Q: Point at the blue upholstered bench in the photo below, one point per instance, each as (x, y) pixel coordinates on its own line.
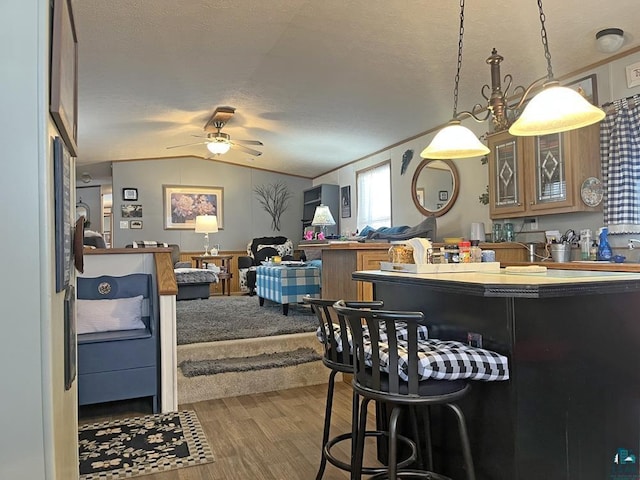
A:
(287, 284)
(118, 353)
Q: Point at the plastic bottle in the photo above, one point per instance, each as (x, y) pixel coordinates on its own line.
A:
(604, 250)
(476, 252)
(585, 244)
(465, 251)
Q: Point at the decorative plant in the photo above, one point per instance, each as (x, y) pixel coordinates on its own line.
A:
(275, 200)
(484, 197)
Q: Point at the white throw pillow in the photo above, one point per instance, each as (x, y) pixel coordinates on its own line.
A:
(108, 315)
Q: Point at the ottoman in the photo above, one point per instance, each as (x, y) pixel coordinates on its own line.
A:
(287, 284)
(194, 283)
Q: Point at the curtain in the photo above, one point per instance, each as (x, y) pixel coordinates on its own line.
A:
(374, 197)
(620, 155)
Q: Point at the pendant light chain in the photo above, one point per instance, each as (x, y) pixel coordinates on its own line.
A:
(457, 80)
(545, 41)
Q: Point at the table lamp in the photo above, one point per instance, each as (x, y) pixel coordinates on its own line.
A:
(322, 217)
(206, 224)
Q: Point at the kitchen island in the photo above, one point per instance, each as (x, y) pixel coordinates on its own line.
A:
(572, 404)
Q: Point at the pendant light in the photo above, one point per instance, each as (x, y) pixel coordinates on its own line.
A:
(555, 109)
(454, 140)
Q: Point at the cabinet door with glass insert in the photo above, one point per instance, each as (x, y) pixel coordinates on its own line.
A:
(551, 173)
(506, 182)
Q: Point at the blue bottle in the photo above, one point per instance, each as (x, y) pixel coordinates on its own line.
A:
(604, 250)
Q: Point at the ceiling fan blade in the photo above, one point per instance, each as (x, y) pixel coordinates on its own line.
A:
(187, 145)
(249, 142)
(248, 150)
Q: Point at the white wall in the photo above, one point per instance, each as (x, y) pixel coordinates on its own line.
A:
(474, 177)
(38, 434)
(244, 218)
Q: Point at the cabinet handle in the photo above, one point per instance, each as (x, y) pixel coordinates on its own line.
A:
(531, 203)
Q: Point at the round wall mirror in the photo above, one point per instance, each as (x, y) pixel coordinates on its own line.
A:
(435, 186)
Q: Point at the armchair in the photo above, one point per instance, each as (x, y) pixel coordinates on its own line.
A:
(260, 249)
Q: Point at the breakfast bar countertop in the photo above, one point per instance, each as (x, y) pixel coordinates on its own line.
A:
(552, 283)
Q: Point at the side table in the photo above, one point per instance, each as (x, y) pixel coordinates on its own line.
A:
(225, 274)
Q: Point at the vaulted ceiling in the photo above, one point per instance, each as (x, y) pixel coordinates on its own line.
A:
(320, 83)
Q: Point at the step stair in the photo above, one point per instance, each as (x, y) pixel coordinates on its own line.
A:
(231, 384)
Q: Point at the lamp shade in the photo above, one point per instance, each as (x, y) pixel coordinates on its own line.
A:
(322, 217)
(555, 109)
(219, 147)
(454, 141)
(206, 224)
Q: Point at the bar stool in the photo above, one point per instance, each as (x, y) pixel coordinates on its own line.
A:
(336, 339)
(386, 371)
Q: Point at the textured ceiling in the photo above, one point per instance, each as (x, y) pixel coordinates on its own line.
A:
(320, 83)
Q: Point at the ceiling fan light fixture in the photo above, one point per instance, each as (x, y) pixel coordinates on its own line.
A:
(219, 146)
(454, 141)
(555, 109)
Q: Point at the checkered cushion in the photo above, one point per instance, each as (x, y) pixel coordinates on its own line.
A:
(439, 359)
(284, 284)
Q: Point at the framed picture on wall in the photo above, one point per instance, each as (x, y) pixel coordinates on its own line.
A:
(63, 103)
(130, 194)
(345, 196)
(69, 337)
(62, 209)
(443, 195)
(182, 204)
(129, 210)
(135, 224)
(587, 87)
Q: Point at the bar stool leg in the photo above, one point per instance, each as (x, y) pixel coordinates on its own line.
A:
(427, 437)
(464, 440)
(393, 443)
(356, 467)
(327, 422)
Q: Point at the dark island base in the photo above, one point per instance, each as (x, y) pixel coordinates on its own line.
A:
(573, 399)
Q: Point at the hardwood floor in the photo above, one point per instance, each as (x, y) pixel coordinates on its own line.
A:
(266, 436)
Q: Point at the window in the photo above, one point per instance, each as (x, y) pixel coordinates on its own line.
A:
(374, 196)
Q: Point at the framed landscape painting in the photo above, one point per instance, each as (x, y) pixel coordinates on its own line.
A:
(182, 204)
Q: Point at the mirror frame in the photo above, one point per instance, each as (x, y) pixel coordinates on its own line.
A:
(452, 198)
(80, 206)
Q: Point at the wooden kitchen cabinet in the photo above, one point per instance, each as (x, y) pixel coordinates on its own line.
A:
(531, 176)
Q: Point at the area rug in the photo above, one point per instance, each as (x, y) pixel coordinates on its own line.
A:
(194, 368)
(142, 445)
(239, 316)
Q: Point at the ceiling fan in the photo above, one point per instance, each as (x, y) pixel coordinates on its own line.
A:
(219, 143)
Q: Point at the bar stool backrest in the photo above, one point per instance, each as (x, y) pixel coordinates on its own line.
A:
(373, 351)
(337, 350)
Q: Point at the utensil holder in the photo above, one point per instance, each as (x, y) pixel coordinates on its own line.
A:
(560, 252)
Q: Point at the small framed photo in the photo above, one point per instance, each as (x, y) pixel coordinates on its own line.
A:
(135, 224)
(439, 206)
(443, 195)
(131, 211)
(587, 87)
(130, 194)
(633, 74)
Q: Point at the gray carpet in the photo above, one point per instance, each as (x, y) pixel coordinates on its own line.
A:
(229, 318)
(193, 368)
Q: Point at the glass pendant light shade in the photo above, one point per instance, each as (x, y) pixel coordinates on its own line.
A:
(555, 109)
(454, 141)
(218, 147)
